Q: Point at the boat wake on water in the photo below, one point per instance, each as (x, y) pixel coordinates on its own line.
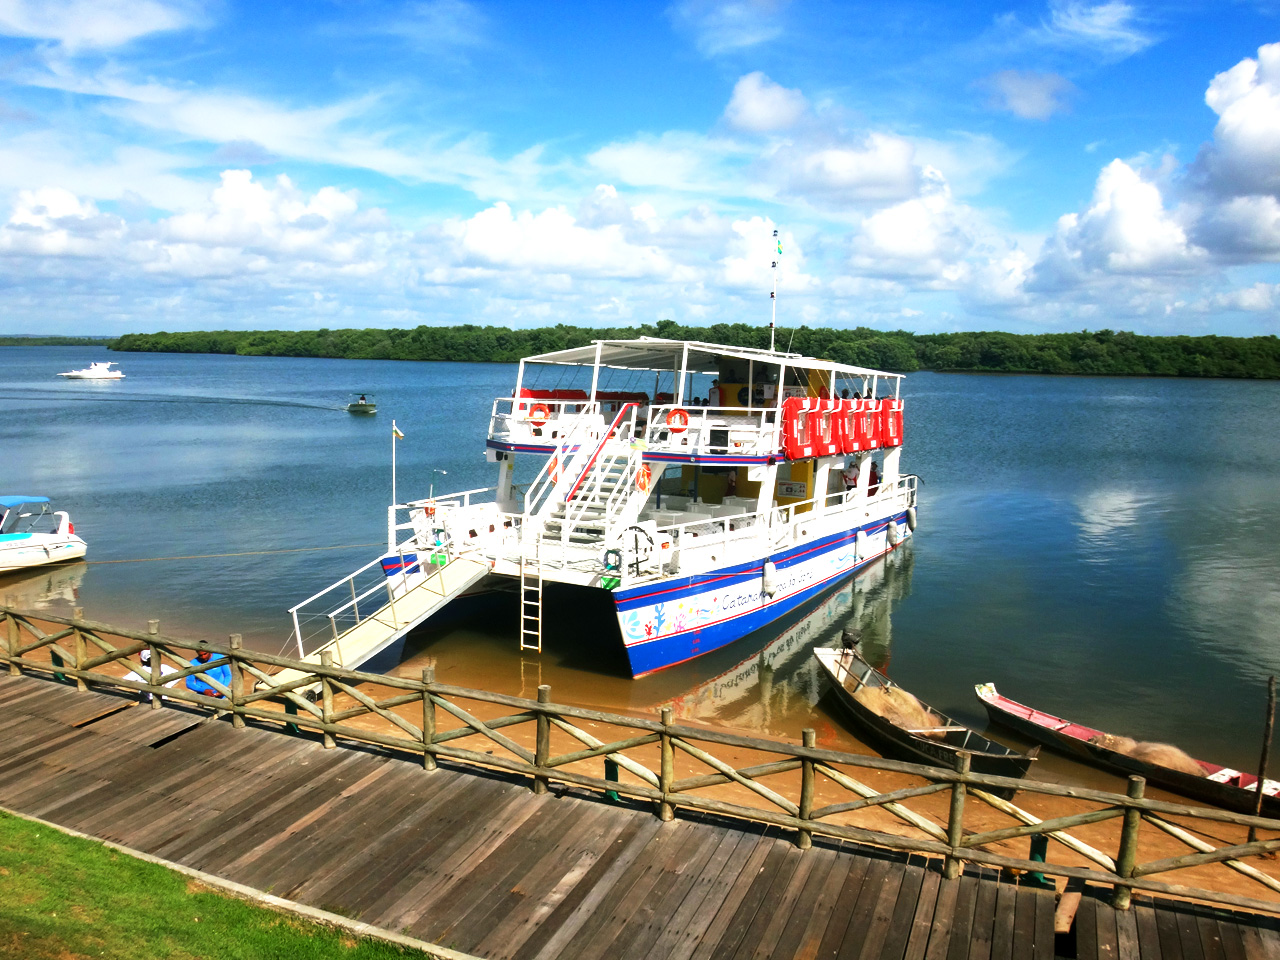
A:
(167, 398)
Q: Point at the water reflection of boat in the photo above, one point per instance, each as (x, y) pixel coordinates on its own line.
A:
(43, 589)
(782, 674)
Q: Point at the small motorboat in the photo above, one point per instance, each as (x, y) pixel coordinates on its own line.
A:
(97, 370)
(908, 729)
(1218, 785)
(32, 534)
(362, 404)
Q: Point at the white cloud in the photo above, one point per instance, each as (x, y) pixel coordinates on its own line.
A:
(1126, 230)
(1259, 298)
(1111, 28)
(679, 161)
(762, 106)
(923, 237)
(881, 169)
(752, 251)
(552, 241)
(720, 26)
(95, 24)
(1028, 93)
(1244, 157)
(438, 26)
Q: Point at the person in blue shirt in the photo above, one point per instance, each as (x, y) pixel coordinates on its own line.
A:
(221, 674)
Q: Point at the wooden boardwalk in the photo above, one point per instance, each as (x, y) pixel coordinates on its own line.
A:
(480, 864)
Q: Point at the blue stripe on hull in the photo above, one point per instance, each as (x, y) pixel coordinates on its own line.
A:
(647, 656)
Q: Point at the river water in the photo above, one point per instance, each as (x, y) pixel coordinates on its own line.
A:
(1105, 549)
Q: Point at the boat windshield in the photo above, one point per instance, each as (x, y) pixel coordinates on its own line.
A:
(28, 518)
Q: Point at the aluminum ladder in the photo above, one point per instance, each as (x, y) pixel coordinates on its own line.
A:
(530, 593)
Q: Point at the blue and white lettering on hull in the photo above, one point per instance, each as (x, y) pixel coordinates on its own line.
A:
(666, 623)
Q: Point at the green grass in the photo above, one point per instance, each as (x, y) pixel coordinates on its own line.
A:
(63, 897)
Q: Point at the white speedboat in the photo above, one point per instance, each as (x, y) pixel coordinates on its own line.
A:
(32, 534)
(97, 370)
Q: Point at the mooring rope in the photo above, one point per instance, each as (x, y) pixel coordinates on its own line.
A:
(247, 553)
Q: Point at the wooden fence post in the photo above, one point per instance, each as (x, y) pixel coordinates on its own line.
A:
(326, 697)
(955, 821)
(542, 751)
(428, 718)
(1128, 854)
(81, 657)
(13, 645)
(667, 776)
(237, 682)
(156, 675)
(804, 839)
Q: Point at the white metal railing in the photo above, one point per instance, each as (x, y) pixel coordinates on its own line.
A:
(518, 420)
(774, 528)
(725, 431)
(335, 618)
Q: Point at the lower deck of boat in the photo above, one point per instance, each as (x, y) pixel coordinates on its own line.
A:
(481, 864)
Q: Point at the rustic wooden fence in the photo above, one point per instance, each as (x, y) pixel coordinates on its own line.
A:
(428, 718)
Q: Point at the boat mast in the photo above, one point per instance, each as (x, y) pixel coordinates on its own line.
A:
(773, 297)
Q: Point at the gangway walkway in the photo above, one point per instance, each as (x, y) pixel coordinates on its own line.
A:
(412, 596)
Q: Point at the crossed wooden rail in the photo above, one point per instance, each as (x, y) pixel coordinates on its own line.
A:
(79, 650)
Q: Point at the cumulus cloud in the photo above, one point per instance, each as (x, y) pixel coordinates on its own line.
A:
(1259, 298)
(761, 106)
(1244, 157)
(1125, 230)
(1028, 93)
(95, 24)
(881, 169)
(748, 266)
(552, 241)
(720, 26)
(924, 237)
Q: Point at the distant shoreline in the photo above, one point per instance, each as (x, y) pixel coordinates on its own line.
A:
(1086, 353)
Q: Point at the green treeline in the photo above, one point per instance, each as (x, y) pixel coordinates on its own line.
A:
(1099, 352)
(54, 341)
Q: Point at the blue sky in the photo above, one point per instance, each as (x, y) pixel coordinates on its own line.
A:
(932, 166)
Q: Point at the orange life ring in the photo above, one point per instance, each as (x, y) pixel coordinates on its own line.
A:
(429, 510)
(644, 477)
(554, 470)
(539, 410)
(678, 420)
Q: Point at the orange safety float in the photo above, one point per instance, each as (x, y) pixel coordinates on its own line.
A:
(539, 414)
(797, 429)
(826, 429)
(678, 420)
(644, 477)
(553, 470)
(848, 421)
(890, 422)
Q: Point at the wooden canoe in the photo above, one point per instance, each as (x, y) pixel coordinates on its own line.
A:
(935, 746)
(1220, 786)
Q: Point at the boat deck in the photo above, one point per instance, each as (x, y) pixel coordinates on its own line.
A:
(480, 863)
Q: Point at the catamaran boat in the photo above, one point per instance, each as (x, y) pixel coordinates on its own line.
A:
(97, 370)
(707, 490)
(32, 534)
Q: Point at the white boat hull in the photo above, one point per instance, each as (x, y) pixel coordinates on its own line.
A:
(20, 551)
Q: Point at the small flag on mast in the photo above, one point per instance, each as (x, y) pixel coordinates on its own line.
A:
(395, 432)
(779, 247)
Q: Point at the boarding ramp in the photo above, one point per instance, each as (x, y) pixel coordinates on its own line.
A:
(366, 611)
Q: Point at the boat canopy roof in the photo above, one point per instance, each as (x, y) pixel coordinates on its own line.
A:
(18, 501)
(656, 353)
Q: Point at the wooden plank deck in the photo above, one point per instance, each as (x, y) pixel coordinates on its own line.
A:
(479, 863)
